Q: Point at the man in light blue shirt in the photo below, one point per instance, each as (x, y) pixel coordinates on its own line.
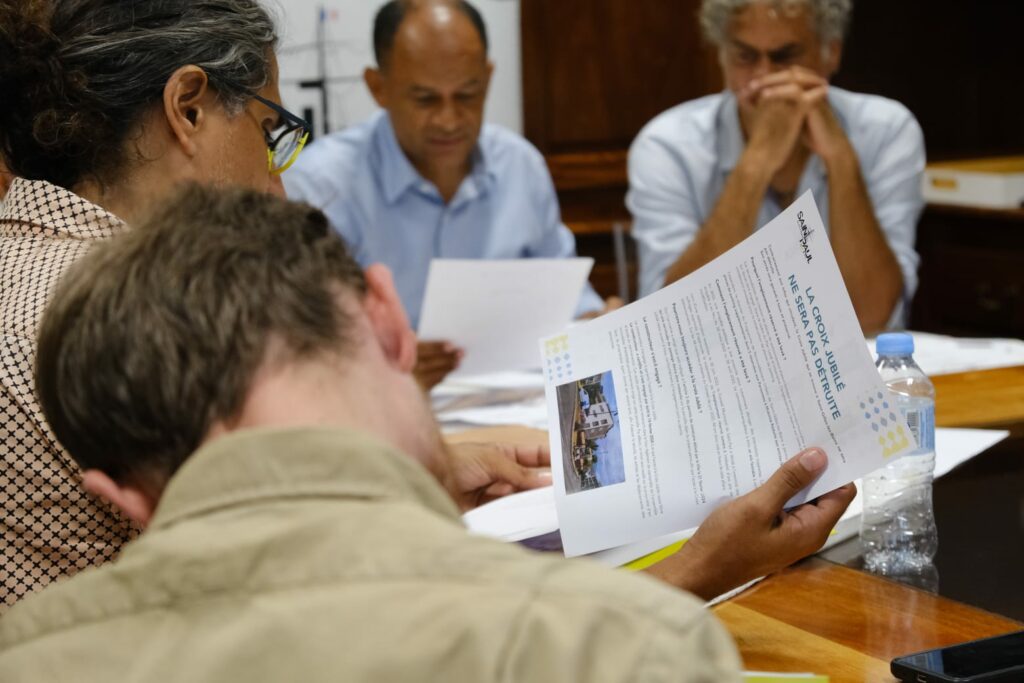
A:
(706, 173)
(424, 178)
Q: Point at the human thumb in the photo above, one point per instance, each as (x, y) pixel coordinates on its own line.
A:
(794, 476)
(519, 477)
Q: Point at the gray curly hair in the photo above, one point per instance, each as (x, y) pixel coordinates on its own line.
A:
(831, 17)
(83, 72)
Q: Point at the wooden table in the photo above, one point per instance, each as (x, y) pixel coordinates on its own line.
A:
(819, 617)
(824, 618)
(985, 398)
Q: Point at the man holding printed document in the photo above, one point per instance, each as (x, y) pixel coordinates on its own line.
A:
(707, 173)
(425, 179)
(695, 394)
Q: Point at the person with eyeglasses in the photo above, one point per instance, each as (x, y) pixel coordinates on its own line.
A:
(286, 140)
(109, 106)
(707, 173)
(95, 145)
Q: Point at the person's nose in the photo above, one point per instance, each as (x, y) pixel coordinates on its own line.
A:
(448, 116)
(763, 67)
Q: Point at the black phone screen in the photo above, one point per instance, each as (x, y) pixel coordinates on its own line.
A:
(987, 656)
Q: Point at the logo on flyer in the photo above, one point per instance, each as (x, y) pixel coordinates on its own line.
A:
(805, 235)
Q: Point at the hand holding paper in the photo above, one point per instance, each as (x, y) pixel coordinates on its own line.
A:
(754, 536)
(696, 394)
(496, 310)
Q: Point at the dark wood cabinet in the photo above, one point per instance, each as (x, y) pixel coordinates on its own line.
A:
(972, 272)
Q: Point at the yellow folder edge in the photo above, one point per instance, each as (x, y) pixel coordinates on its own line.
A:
(642, 563)
(783, 678)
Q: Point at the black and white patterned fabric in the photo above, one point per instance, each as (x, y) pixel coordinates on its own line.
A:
(51, 528)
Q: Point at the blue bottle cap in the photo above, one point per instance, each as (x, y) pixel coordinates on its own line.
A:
(894, 344)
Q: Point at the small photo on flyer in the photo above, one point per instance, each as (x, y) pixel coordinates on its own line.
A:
(591, 438)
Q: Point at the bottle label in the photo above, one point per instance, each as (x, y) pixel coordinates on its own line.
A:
(922, 426)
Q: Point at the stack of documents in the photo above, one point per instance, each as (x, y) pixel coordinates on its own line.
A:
(501, 398)
(941, 355)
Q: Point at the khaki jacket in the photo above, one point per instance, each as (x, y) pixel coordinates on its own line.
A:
(323, 555)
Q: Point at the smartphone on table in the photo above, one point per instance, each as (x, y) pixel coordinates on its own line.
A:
(1000, 658)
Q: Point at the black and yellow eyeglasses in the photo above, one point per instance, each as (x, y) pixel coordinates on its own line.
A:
(286, 141)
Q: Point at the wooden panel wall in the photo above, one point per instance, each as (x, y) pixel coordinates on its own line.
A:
(594, 72)
(957, 65)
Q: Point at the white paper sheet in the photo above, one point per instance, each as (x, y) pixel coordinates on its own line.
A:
(495, 310)
(664, 409)
(941, 355)
(528, 414)
(515, 517)
(523, 379)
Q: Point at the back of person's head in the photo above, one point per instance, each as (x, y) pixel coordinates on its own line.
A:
(391, 15)
(157, 333)
(79, 75)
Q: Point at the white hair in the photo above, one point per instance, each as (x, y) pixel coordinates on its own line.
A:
(830, 17)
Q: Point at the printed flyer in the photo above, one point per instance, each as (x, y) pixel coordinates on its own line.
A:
(662, 410)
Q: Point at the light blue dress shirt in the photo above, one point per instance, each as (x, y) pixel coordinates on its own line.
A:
(388, 213)
(680, 161)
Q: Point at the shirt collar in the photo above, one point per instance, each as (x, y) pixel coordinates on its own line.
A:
(398, 175)
(258, 465)
(56, 211)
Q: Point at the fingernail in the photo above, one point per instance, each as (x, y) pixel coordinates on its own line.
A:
(448, 347)
(813, 459)
(544, 478)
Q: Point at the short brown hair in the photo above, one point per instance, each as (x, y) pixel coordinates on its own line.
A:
(157, 333)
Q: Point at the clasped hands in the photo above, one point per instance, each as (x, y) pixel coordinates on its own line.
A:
(786, 107)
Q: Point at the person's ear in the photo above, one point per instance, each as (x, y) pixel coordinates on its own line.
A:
(388, 319)
(375, 83)
(136, 504)
(490, 74)
(184, 105)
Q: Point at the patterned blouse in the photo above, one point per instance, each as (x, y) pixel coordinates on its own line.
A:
(50, 526)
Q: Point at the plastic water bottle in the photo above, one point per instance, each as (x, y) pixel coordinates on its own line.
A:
(898, 534)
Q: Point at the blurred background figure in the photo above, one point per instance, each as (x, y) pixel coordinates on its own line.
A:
(425, 178)
(705, 174)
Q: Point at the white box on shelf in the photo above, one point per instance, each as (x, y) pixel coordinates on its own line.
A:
(995, 183)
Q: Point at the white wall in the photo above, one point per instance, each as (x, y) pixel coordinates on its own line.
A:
(349, 28)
